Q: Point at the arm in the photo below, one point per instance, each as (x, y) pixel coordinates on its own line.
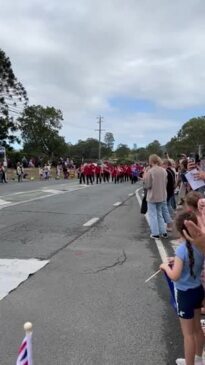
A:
(174, 273)
(148, 180)
(199, 175)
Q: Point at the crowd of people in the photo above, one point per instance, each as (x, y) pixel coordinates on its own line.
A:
(90, 173)
(162, 180)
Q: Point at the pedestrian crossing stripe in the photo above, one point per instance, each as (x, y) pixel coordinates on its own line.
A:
(4, 202)
(15, 271)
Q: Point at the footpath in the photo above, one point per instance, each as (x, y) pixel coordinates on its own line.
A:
(90, 304)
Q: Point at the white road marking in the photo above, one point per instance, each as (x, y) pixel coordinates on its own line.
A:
(4, 203)
(49, 194)
(161, 249)
(117, 204)
(20, 192)
(15, 271)
(130, 194)
(52, 191)
(159, 243)
(91, 222)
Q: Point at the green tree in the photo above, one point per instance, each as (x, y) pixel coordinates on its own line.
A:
(88, 150)
(174, 148)
(109, 140)
(192, 133)
(154, 148)
(188, 139)
(13, 98)
(40, 130)
(122, 151)
(142, 154)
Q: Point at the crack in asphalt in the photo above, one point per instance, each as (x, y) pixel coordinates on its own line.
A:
(120, 261)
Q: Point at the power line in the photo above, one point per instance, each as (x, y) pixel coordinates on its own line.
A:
(100, 131)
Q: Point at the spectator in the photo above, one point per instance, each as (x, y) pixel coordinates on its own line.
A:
(19, 171)
(182, 181)
(155, 179)
(171, 183)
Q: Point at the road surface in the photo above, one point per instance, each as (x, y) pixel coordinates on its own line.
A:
(89, 304)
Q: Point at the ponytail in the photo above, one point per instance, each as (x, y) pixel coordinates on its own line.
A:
(191, 258)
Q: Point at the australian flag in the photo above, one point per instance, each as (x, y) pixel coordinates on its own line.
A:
(25, 351)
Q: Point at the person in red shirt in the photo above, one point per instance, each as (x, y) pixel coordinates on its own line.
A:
(114, 174)
(92, 172)
(88, 173)
(106, 173)
(128, 173)
(98, 171)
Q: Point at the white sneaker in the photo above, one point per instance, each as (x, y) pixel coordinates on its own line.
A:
(183, 362)
(180, 362)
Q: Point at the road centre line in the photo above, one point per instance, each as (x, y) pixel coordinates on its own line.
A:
(159, 243)
(117, 204)
(91, 222)
(53, 191)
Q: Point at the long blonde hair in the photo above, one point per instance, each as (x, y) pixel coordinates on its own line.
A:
(155, 160)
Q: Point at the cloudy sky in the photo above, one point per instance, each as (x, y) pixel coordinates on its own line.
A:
(138, 63)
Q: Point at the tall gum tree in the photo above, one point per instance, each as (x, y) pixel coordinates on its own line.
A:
(40, 128)
(13, 98)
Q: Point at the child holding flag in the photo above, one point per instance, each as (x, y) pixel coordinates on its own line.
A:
(186, 274)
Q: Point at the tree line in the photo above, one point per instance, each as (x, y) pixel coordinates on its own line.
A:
(38, 128)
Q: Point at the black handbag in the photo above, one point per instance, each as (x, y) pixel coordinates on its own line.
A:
(143, 209)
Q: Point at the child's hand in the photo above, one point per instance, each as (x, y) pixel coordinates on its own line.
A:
(163, 267)
(196, 235)
(201, 204)
(201, 208)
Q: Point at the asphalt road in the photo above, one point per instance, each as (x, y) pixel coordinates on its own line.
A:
(90, 304)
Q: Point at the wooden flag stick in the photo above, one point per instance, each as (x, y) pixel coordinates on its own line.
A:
(28, 327)
(152, 276)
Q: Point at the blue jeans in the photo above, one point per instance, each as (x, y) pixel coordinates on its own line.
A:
(156, 221)
(171, 204)
(165, 213)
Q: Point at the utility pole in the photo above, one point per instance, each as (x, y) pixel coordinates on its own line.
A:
(100, 131)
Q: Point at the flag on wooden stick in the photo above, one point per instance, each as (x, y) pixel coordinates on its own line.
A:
(25, 350)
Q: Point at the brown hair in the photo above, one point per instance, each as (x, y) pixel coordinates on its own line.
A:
(167, 162)
(184, 163)
(180, 226)
(192, 198)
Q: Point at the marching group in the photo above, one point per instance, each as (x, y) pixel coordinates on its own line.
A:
(162, 180)
(89, 173)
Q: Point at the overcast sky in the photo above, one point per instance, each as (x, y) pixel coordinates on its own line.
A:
(138, 63)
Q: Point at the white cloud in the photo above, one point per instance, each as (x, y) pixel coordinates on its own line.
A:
(76, 55)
